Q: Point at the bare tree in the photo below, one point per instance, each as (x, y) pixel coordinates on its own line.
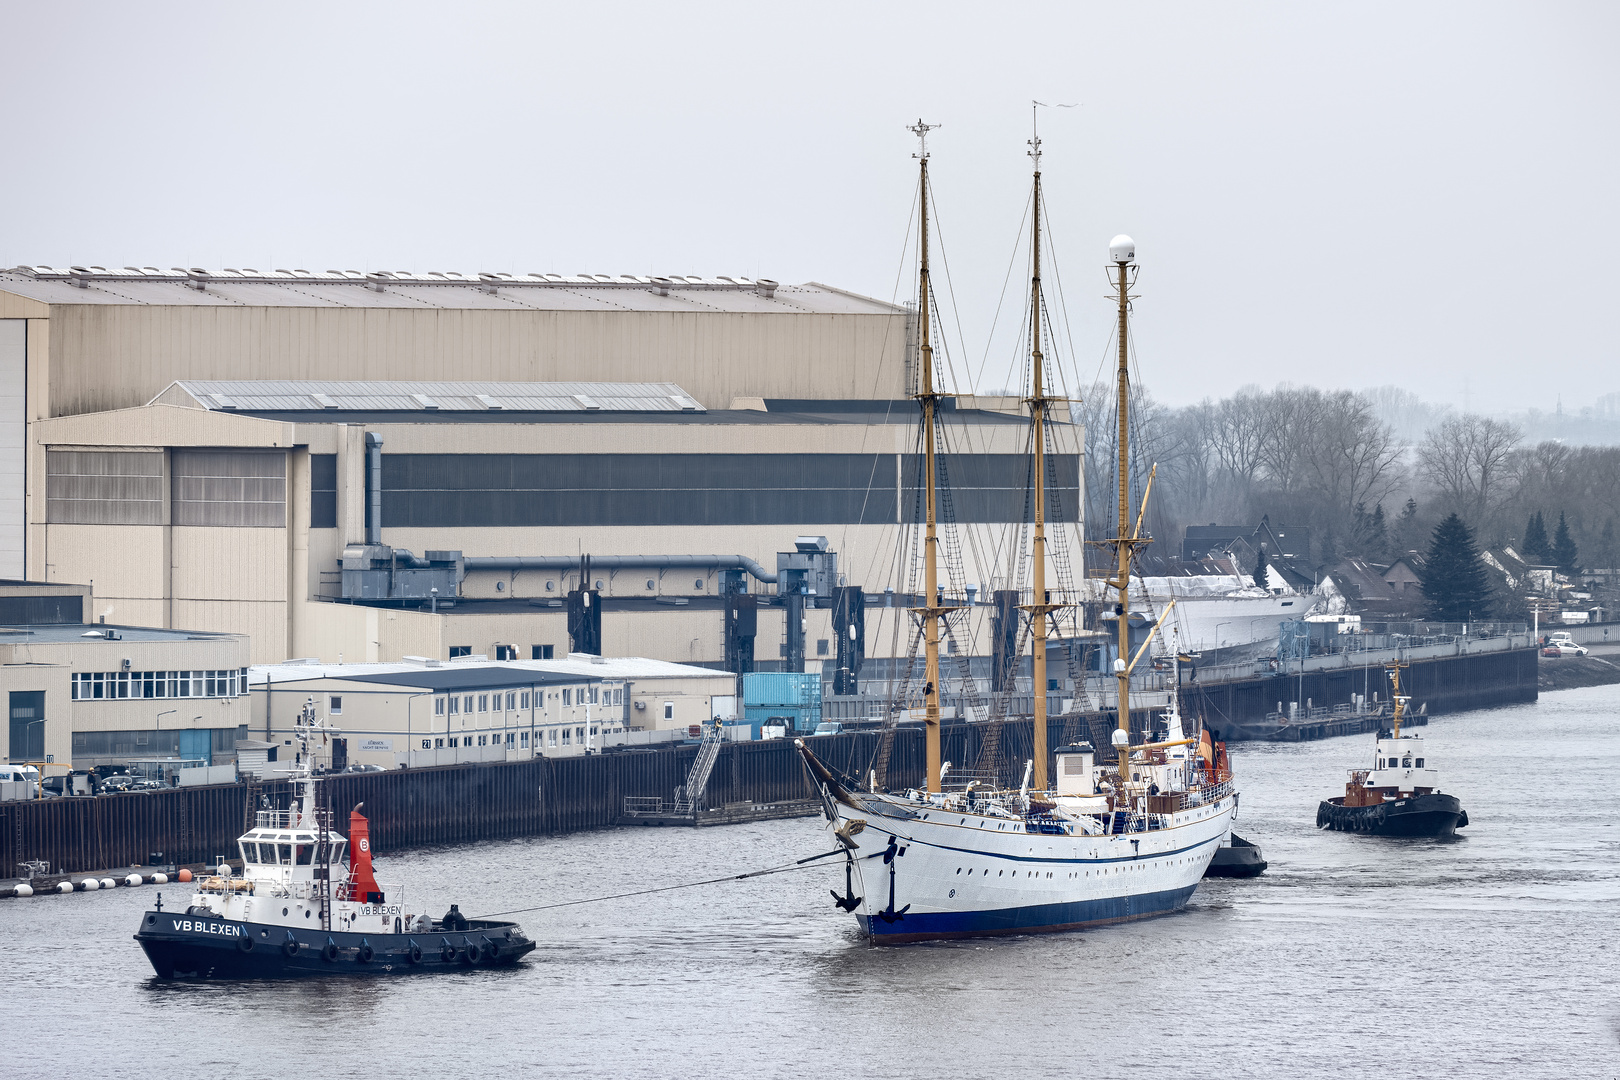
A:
(1466, 458)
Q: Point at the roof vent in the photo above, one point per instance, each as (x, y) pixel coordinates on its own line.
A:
(587, 402)
(376, 281)
(424, 401)
(80, 277)
(661, 285)
(765, 287)
(222, 401)
(196, 277)
(487, 283)
(324, 402)
(489, 402)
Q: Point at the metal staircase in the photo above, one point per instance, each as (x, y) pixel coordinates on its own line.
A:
(690, 795)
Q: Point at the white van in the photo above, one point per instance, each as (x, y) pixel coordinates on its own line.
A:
(18, 773)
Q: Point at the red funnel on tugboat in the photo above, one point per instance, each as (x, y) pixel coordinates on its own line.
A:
(362, 883)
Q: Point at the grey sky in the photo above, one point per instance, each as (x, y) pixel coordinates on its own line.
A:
(1421, 194)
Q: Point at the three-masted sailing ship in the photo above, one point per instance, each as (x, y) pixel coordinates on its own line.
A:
(1120, 835)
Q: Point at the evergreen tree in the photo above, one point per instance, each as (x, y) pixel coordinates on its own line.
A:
(1564, 551)
(1455, 582)
(1536, 548)
(1606, 545)
(1406, 528)
(1260, 569)
(1380, 533)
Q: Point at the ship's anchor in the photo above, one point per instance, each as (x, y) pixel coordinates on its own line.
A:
(849, 901)
(893, 851)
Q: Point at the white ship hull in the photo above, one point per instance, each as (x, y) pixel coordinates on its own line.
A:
(1221, 622)
(924, 874)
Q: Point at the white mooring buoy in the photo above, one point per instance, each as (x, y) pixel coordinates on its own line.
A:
(109, 883)
(25, 889)
(133, 880)
(90, 884)
(64, 887)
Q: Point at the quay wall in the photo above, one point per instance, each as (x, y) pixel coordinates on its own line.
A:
(457, 804)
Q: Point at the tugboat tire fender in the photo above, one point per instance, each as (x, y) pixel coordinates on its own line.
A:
(365, 952)
(472, 954)
(413, 952)
(329, 952)
(491, 949)
(289, 948)
(245, 943)
(448, 953)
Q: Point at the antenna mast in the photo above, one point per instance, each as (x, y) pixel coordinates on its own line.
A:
(931, 612)
(1123, 252)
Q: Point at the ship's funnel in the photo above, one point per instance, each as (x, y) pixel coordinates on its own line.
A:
(362, 882)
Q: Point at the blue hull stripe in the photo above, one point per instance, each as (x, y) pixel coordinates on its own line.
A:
(1034, 919)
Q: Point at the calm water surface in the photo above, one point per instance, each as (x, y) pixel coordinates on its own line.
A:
(1491, 955)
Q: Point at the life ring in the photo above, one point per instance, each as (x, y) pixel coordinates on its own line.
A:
(245, 943)
(413, 952)
(365, 953)
(472, 954)
(329, 952)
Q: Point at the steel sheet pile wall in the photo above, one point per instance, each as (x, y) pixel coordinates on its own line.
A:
(458, 804)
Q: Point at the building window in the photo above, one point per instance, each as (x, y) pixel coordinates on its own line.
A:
(466, 704)
(460, 650)
(511, 737)
(483, 703)
(821, 647)
(438, 744)
(483, 740)
(511, 700)
(335, 705)
(525, 740)
(438, 706)
(579, 733)
(455, 706)
(568, 736)
(568, 698)
(552, 737)
(525, 701)
(540, 652)
(506, 652)
(1420, 763)
(593, 695)
(669, 710)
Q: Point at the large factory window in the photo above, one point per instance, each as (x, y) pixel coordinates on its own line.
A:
(230, 487)
(540, 652)
(323, 491)
(93, 487)
(505, 490)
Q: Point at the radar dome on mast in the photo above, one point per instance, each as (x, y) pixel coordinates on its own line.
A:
(1122, 249)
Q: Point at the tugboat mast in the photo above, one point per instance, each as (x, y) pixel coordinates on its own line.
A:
(1038, 607)
(1394, 669)
(931, 612)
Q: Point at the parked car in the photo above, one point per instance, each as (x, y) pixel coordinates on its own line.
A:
(1563, 648)
(828, 727)
(118, 782)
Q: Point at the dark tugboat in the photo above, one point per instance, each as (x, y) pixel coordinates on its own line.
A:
(298, 909)
(1399, 795)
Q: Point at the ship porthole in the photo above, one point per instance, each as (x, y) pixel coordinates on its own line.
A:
(283, 911)
(150, 919)
(953, 892)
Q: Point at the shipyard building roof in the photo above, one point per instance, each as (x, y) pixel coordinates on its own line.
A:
(437, 289)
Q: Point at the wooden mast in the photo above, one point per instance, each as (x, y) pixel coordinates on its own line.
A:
(1038, 607)
(931, 611)
(1124, 543)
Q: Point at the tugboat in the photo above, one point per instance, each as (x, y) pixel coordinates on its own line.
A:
(1399, 795)
(284, 915)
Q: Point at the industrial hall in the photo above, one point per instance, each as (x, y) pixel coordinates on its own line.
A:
(366, 467)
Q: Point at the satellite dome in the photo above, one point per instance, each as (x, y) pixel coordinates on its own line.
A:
(1122, 249)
